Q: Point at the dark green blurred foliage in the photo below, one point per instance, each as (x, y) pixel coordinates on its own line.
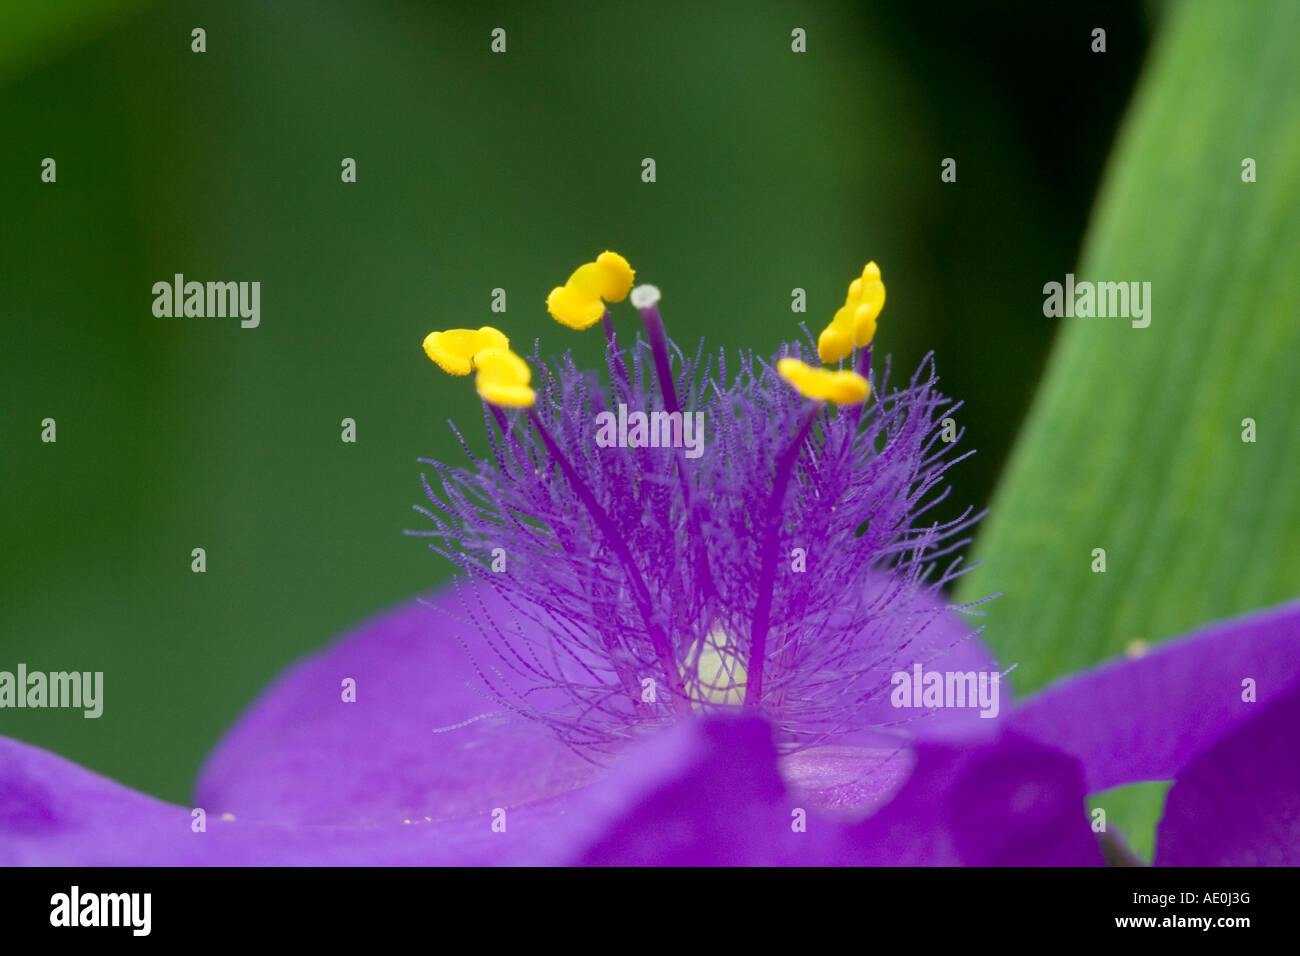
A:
(775, 170)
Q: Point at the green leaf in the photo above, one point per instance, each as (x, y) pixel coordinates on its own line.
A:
(1135, 442)
(34, 30)
(1130, 812)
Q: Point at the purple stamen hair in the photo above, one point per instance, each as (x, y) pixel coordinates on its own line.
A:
(786, 570)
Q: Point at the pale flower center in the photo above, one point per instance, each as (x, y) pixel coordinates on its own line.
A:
(714, 672)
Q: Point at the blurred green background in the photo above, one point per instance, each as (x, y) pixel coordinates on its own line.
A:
(775, 170)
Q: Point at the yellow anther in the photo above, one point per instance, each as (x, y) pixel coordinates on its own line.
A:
(503, 378)
(454, 349)
(841, 387)
(864, 325)
(854, 323)
(833, 344)
(578, 303)
(618, 275)
(587, 281)
(574, 309)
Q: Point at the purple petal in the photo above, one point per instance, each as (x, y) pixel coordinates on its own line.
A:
(940, 642)
(847, 781)
(704, 793)
(302, 755)
(1238, 803)
(708, 792)
(1011, 802)
(55, 813)
(1144, 719)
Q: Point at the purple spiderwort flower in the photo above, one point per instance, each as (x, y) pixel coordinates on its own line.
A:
(306, 780)
(783, 569)
(506, 721)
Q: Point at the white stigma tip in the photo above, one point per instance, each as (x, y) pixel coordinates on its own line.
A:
(645, 297)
